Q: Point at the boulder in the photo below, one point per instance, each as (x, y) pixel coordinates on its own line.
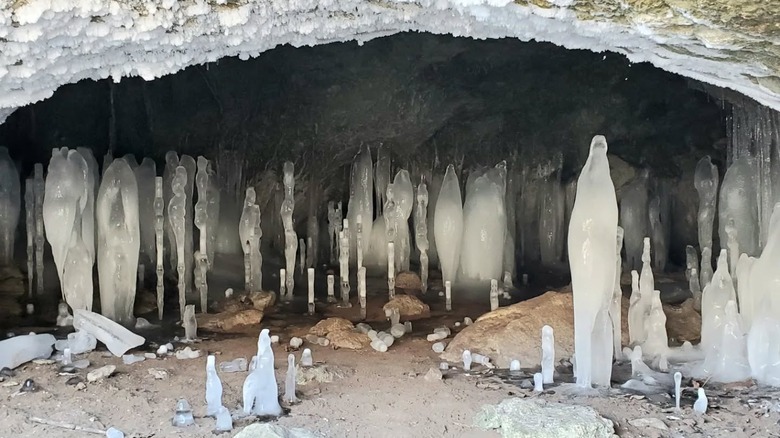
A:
(408, 280)
(349, 339)
(262, 300)
(536, 418)
(227, 322)
(329, 325)
(409, 307)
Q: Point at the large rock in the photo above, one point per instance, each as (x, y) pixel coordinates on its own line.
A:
(330, 325)
(521, 418)
(265, 430)
(409, 307)
(514, 332)
(226, 322)
(408, 281)
(349, 339)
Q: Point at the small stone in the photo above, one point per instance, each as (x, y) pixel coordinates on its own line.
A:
(29, 385)
(433, 375)
(75, 380)
(101, 373)
(296, 342)
(43, 361)
(7, 372)
(67, 370)
(649, 422)
(158, 373)
(275, 339)
(150, 356)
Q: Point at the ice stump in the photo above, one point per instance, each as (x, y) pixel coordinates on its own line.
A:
(190, 323)
(182, 416)
(260, 393)
(289, 381)
(118, 241)
(493, 295)
(677, 389)
(448, 225)
(591, 249)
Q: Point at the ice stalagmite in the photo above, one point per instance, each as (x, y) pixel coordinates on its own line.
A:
(290, 237)
(88, 230)
(421, 232)
(334, 227)
(177, 217)
(144, 176)
(29, 208)
(448, 225)
(656, 341)
(634, 218)
(616, 304)
(548, 354)
(118, 241)
(77, 287)
(706, 266)
(635, 317)
(713, 304)
(202, 222)
(738, 205)
(403, 197)
(484, 227)
(705, 179)
(763, 350)
(40, 240)
(261, 395)
(646, 288)
(250, 233)
(10, 206)
(726, 360)
(382, 177)
(190, 164)
(361, 197)
(159, 242)
(591, 249)
(171, 163)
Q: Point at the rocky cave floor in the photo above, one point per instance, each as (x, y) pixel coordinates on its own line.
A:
(354, 393)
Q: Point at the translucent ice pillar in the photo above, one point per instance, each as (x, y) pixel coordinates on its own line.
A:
(261, 395)
(159, 242)
(421, 232)
(713, 303)
(118, 241)
(448, 225)
(29, 208)
(548, 354)
(705, 179)
(738, 205)
(591, 249)
(290, 237)
(382, 177)
(656, 342)
(361, 199)
(616, 305)
(145, 175)
(177, 216)
(40, 240)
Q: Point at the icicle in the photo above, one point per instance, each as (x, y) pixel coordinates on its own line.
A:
(177, 216)
(310, 272)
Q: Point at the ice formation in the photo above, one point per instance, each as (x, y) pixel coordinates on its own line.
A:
(190, 323)
(397, 210)
(700, 405)
(448, 295)
(202, 222)
(738, 205)
(331, 288)
(382, 177)
(289, 381)
(250, 233)
(64, 318)
(616, 304)
(706, 267)
(726, 359)
(538, 382)
(118, 241)
(282, 277)
(359, 247)
(484, 227)
(421, 232)
(159, 243)
(391, 271)
(177, 217)
(301, 256)
(361, 196)
(306, 358)
(361, 290)
(260, 391)
(182, 416)
(18, 350)
(634, 218)
(677, 389)
(514, 365)
(224, 420)
(334, 226)
(213, 388)
(493, 295)
(145, 175)
(591, 249)
(548, 354)
(551, 212)
(10, 206)
(706, 183)
(40, 240)
(656, 342)
(448, 225)
(344, 268)
(117, 338)
(29, 208)
(290, 237)
(713, 304)
(659, 234)
(466, 356)
(310, 278)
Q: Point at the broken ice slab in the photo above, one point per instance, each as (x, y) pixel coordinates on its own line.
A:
(129, 359)
(234, 366)
(22, 349)
(117, 338)
(78, 342)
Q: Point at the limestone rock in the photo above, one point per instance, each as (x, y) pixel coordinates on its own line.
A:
(409, 307)
(101, 373)
(535, 418)
(433, 375)
(330, 325)
(408, 280)
(265, 430)
(349, 339)
(229, 321)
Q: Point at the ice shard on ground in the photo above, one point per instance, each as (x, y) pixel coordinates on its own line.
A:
(117, 338)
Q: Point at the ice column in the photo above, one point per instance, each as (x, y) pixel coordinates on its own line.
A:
(362, 291)
(249, 232)
(493, 294)
(189, 163)
(705, 179)
(159, 227)
(634, 218)
(290, 237)
(448, 225)
(591, 249)
(344, 268)
(289, 381)
(118, 241)
(548, 354)
(334, 227)
(144, 176)
(448, 295)
(713, 306)
(382, 177)
(391, 269)
(727, 360)
(29, 209)
(738, 205)
(10, 206)
(616, 305)
(261, 395)
(359, 246)
(40, 241)
(706, 266)
(177, 216)
(361, 199)
(635, 317)
(421, 232)
(331, 289)
(202, 261)
(310, 272)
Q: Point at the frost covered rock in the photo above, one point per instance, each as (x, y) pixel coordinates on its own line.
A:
(521, 418)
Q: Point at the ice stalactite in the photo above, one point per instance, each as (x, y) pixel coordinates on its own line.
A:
(510, 198)
(591, 244)
(738, 206)
(706, 266)
(313, 226)
(448, 225)
(202, 222)
(421, 232)
(634, 218)
(118, 241)
(88, 230)
(403, 196)
(177, 217)
(361, 197)
(529, 219)
(171, 163)
(144, 176)
(189, 241)
(334, 227)
(290, 237)
(344, 268)
(484, 227)
(552, 204)
(301, 256)
(434, 187)
(10, 206)
(382, 177)
(159, 242)
(705, 179)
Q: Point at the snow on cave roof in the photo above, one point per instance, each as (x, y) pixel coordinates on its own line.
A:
(48, 43)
